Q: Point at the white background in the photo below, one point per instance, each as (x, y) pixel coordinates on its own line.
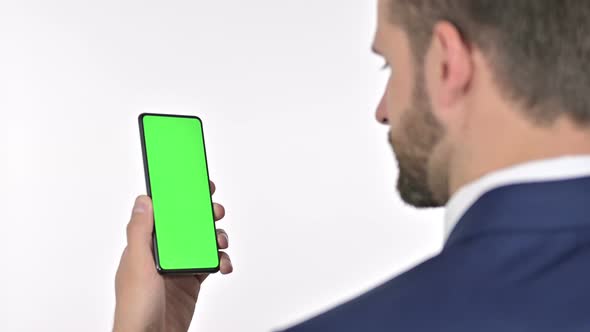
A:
(287, 91)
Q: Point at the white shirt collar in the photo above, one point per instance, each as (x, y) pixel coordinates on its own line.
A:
(535, 171)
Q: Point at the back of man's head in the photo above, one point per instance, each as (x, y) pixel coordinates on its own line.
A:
(540, 49)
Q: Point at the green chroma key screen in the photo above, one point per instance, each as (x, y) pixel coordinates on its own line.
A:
(178, 182)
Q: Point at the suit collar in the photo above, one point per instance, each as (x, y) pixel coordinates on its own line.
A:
(527, 207)
(561, 168)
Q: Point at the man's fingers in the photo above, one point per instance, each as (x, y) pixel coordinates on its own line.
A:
(141, 225)
(212, 187)
(225, 263)
(222, 239)
(225, 267)
(218, 211)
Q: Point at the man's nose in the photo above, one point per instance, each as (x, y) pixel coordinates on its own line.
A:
(381, 114)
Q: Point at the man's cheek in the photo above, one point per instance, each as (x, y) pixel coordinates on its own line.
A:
(398, 97)
(394, 110)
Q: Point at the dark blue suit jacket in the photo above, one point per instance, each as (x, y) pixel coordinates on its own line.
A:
(518, 260)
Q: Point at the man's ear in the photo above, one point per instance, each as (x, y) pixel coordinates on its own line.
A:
(452, 64)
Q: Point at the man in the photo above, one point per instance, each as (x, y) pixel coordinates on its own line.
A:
(489, 108)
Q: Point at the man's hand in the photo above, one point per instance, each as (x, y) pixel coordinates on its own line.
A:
(146, 300)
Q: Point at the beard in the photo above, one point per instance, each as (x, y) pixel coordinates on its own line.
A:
(419, 132)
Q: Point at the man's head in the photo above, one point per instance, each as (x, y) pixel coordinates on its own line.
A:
(477, 85)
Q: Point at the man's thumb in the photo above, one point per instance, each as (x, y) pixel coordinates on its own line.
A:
(141, 225)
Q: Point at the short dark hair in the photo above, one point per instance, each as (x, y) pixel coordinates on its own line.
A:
(539, 49)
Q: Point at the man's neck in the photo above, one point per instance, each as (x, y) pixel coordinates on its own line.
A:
(516, 145)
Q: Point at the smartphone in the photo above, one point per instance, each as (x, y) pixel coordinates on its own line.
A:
(177, 180)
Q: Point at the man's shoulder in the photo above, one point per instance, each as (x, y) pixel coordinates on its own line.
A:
(488, 284)
(406, 296)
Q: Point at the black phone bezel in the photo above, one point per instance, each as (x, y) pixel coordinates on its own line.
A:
(159, 268)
